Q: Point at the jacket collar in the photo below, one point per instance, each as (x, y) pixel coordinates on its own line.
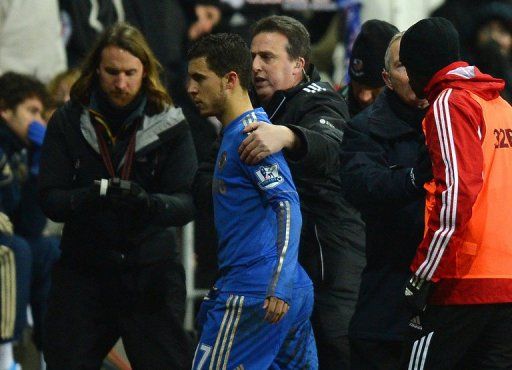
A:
(279, 98)
(151, 129)
(390, 118)
(460, 75)
(8, 140)
(117, 117)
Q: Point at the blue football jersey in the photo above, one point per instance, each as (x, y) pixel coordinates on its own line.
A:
(257, 217)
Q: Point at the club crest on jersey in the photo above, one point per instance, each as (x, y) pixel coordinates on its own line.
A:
(268, 176)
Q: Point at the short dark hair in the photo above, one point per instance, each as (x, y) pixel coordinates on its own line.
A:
(15, 88)
(225, 52)
(299, 43)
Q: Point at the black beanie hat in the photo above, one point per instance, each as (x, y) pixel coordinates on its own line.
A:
(367, 59)
(430, 45)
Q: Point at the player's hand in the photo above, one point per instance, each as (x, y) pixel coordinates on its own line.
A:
(264, 140)
(276, 308)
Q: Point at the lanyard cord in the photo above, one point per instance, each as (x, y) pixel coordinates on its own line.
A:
(126, 170)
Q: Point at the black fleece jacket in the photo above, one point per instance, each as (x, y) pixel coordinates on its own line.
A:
(95, 231)
(381, 145)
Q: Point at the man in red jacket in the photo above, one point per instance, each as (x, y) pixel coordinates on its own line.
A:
(463, 266)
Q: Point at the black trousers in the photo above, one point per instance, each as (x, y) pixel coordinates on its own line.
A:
(461, 337)
(89, 310)
(368, 354)
(333, 353)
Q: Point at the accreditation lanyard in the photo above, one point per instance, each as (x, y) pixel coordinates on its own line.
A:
(100, 130)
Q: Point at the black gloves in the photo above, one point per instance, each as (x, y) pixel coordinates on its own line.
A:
(139, 199)
(416, 294)
(125, 194)
(422, 170)
(85, 198)
(121, 195)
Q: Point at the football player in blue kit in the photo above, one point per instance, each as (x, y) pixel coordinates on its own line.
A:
(258, 317)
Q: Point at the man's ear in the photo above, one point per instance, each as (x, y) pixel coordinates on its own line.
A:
(231, 80)
(6, 114)
(299, 64)
(387, 80)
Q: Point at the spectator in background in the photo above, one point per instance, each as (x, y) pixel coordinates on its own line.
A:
(367, 64)
(22, 101)
(207, 16)
(463, 265)
(15, 270)
(309, 117)
(30, 39)
(381, 146)
(463, 13)
(83, 22)
(491, 49)
(485, 31)
(117, 165)
(59, 88)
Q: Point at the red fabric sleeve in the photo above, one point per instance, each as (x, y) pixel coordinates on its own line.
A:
(454, 130)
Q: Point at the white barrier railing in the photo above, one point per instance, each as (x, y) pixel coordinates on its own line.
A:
(189, 263)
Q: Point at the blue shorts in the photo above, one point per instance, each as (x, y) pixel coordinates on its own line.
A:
(236, 336)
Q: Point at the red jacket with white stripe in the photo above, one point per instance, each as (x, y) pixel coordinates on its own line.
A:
(467, 247)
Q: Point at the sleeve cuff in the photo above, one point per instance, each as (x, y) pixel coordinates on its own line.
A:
(283, 297)
(410, 184)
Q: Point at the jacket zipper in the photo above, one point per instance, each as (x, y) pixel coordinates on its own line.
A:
(279, 106)
(321, 253)
(76, 167)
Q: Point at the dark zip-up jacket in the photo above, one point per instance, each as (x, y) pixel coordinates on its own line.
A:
(314, 112)
(381, 146)
(95, 232)
(332, 238)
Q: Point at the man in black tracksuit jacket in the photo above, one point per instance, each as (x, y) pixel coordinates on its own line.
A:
(119, 274)
(330, 223)
(309, 118)
(382, 145)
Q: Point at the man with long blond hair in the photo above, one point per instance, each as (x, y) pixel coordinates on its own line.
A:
(116, 168)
